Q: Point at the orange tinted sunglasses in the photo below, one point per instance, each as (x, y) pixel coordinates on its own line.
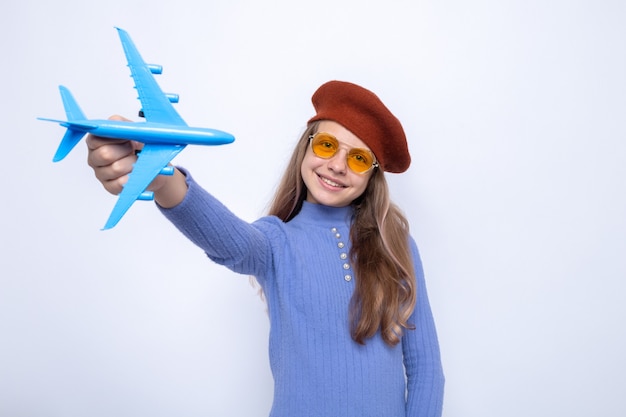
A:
(359, 160)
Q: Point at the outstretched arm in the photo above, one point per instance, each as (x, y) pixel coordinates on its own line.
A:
(204, 220)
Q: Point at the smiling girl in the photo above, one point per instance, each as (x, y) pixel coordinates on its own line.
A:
(351, 329)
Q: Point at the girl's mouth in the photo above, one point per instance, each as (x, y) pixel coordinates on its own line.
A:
(331, 182)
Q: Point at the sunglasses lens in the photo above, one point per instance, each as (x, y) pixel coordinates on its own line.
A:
(324, 145)
(359, 160)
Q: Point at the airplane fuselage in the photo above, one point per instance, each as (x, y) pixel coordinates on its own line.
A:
(148, 132)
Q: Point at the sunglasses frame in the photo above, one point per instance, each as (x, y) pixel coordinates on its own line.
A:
(374, 160)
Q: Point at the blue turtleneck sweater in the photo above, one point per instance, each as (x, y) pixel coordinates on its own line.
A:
(305, 272)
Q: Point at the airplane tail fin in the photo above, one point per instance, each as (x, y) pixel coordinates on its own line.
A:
(75, 131)
(72, 109)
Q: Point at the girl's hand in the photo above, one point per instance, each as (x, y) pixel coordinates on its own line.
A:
(112, 161)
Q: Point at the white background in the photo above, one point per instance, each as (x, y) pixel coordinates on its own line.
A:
(515, 112)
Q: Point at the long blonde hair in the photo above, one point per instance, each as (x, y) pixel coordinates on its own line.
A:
(385, 293)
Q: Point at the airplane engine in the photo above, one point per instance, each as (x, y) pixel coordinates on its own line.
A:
(168, 170)
(146, 196)
(155, 69)
(173, 98)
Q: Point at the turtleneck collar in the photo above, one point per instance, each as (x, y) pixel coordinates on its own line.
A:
(324, 215)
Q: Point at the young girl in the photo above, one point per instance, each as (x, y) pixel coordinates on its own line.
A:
(351, 330)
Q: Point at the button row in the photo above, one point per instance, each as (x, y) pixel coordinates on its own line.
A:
(343, 255)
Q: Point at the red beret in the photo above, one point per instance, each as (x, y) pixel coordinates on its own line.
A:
(361, 112)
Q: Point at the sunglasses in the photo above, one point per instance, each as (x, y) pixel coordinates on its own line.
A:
(358, 160)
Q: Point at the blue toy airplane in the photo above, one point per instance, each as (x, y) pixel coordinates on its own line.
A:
(164, 132)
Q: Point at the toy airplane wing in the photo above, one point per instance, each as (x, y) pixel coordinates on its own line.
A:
(152, 161)
(156, 106)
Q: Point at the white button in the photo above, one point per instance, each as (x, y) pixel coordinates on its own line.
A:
(346, 266)
(334, 230)
(343, 256)
(338, 235)
(340, 245)
(348, 278)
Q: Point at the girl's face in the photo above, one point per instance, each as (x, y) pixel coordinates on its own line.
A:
(329, 181)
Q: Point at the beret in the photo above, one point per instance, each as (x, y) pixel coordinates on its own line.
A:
(364, 114)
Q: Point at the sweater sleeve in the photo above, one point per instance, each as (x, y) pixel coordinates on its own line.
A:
(226, 239)
(422, 359)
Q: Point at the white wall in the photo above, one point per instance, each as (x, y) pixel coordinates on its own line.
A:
(515, 112)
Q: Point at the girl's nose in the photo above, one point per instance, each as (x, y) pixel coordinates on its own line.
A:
(337, 163)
